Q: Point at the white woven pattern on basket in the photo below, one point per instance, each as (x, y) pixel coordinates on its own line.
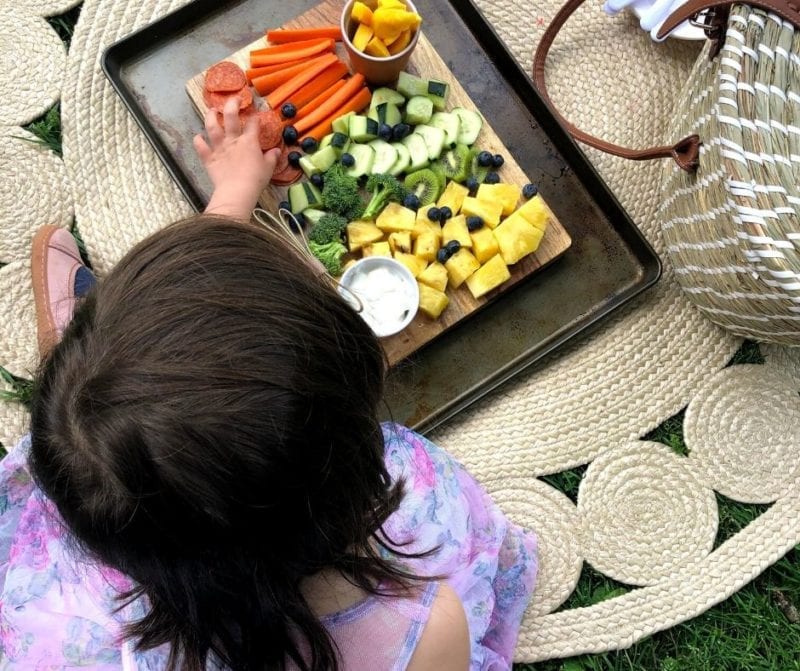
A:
(733, 229)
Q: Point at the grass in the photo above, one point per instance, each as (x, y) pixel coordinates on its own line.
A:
(757, 629)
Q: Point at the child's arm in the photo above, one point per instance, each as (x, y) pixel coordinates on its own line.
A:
(445, 643)
(232, 156)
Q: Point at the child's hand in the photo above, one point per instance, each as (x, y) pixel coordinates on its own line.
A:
(232, 156)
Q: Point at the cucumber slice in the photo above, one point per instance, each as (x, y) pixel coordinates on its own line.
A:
(363, 129)
(387, 113)
(364, 156)
(304, 195)
(418, 110)
(410, 86)
(449, 123)
(313, 215)
(385, 157)
(324, 142)
(403, 159)
(342, 124)
(339, 141)
(324, 158)
(471, 124)
(308, 166)
(417, 151)
(438, 92)
(434, 140)
(386, 95)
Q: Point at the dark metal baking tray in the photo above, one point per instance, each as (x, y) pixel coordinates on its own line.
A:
(610, 262)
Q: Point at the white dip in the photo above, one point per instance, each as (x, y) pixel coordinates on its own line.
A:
(387, 299)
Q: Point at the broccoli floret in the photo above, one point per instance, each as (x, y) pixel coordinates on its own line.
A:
(328, 229)
(383, 189)
(330, 254)
(340, 194)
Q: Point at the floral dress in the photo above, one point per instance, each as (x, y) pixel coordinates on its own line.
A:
(58, 608)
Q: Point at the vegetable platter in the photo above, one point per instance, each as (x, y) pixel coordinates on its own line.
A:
(314, 51)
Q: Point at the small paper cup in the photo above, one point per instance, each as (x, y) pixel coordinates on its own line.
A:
(378, 71)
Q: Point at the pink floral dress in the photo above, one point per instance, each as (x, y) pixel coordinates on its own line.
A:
(57, 608)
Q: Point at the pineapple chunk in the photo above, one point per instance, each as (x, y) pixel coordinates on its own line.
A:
(378, 249)
(455, 228)
(484, 244)
(422, 213)
(400, 242)
(415, 264)
(426, 246)
(507, 194)
(460, 266)
(489, 211)
(349, 264)
(426, 226)
(396, 218)
(453, 197)
(362, 233)
(517, 238)
(431, 301)
(435, 276)
(490, 276)
(536, 212)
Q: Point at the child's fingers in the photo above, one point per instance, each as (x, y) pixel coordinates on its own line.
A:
(251, 126)
(213, 129)
(202, 148)
(271, 160)
(230, 115)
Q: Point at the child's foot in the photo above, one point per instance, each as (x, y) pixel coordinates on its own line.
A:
(59, 278)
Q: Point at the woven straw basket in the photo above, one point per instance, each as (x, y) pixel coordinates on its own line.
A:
(730, 207)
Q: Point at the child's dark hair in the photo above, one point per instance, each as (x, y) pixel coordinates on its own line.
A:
(208, 426)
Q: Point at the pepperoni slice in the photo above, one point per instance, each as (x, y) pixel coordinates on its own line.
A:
(217, 100)
(225, 77)
(287, 177)
(270, 131)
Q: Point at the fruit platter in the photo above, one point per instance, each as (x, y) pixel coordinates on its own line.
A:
(409, 170)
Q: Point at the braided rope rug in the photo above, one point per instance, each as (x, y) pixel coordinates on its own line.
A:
(644, 516)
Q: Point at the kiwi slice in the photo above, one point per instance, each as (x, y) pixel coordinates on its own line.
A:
(425, 184)
(438, 169)
(477, 171)
(456, 163)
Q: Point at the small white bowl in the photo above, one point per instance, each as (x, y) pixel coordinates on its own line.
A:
(383, 291)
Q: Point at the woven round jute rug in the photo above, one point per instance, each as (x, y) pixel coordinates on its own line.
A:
(644, 515)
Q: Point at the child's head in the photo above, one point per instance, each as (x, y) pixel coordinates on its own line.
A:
(208, 425)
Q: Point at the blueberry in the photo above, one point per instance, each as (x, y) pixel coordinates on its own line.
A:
(297, 222)
(530, 190)
(294, 159)
(400, 131)
(485, 159)
(492, 178)
(309, 145)
(411, 201)
(284, 205)
(434, 214)
(385, 132)
(290, 135)
(445, 213)
(288, 110)
(474, 224)
(453, 246)
(443, 255)
(318, 180)
(472, 184)
(348, 161)
(498, 161)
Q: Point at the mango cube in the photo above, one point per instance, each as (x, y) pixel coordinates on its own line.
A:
(376, 47)
(400, 43)
(460, 266)
(431, 301)
(455, 228)
(415, 264)
(536, 212)
(426, 246)
(507, 194)
(363, 36)
(489, 276)
(378, 249)
(435, 276)
(453, 196)
(489, 211)
(362, 14)
(392, 4)
(396, 218)
(517, 238)
(362, 233)
(400, 242)
(484, 244)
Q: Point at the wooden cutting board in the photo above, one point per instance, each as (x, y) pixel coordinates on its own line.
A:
(426, 63)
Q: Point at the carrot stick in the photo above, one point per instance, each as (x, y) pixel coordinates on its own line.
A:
(355, 104)
(268, 83)
(333, 103)
(316, 102)
(252, 73)
(282, 93)
(261, 60)
(328, 77)
(292, 46)
(297, 34)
